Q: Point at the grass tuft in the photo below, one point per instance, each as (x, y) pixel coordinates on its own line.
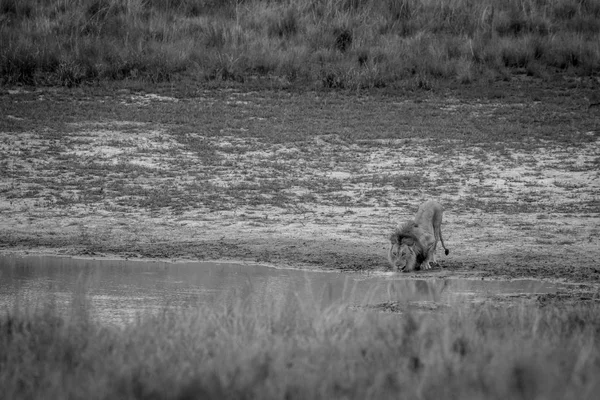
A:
(292, 350)
(560, 35)
(284, 26)
(343, 39)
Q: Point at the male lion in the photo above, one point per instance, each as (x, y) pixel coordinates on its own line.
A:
(414, 242)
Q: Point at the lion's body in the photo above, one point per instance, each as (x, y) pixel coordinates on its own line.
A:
(413, 243)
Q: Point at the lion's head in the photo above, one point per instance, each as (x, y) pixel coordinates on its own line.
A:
(402, 257)
(406, 251)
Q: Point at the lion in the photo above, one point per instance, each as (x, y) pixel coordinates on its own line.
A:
(413, 243)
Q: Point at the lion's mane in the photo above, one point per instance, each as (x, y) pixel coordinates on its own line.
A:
(409, 234)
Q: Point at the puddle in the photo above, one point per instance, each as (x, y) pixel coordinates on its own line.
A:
(118, 290)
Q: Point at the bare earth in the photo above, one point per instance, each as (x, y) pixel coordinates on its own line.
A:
(314, 180)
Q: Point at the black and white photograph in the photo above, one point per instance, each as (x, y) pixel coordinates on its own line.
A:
(299, 199)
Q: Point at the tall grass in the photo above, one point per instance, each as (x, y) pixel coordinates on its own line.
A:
(333, 43)
(297, 351)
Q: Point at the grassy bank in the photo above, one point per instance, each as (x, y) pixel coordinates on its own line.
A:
(298, 351)
(323, 43)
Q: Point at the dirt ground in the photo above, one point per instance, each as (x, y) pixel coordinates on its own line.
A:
(305, 179)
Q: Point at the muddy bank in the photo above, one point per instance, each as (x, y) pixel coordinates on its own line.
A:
(334, 253)
(303, 179)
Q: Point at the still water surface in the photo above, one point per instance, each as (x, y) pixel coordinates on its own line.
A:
(118, 290)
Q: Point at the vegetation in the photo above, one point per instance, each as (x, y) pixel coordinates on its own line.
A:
(297, 351)
(329, 43)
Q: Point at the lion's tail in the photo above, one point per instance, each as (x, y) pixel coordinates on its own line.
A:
(446, 251)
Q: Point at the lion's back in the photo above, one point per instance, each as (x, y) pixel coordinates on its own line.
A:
(411, 232)
(426, 214)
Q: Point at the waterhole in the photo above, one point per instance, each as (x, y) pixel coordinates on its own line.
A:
(119, 290)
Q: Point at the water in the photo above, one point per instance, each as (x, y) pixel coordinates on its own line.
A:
(118, 290)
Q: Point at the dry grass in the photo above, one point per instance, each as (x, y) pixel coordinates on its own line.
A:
(301, 351)
(331, 43)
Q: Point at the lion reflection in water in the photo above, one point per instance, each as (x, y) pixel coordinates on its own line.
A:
(413, 243)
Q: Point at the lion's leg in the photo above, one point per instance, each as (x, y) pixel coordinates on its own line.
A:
(437, 234)
(432, 252)
(428, 250)
(426, 264)
(429, 258)
(433, 248)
